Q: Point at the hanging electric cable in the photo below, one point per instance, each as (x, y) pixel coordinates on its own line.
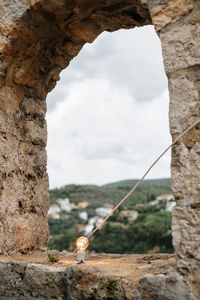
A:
(139, 182)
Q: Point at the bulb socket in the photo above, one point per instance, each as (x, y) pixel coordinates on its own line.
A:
(81, 257)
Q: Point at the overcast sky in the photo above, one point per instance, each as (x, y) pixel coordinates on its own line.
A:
(108, 115)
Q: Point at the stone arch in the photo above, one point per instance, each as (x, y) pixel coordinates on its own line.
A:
(38, 40)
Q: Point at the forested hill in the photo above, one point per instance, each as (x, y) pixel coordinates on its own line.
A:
(112, 193)
(132, 182)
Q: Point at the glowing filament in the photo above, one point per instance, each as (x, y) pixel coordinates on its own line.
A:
(82, 243)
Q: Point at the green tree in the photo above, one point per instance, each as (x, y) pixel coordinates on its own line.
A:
(64, 241)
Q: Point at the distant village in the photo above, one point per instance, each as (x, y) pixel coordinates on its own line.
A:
(63, 207)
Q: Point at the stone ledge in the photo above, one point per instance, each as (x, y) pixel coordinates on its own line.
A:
(102, 276)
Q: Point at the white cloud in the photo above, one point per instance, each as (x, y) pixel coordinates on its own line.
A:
(108, 115)
(101, 134)
(129, 58)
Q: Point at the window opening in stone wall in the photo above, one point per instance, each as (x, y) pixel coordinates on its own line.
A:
(107, 121)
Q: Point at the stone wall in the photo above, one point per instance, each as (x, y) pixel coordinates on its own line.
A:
(111, 277)
(38, 38)
(178, 26)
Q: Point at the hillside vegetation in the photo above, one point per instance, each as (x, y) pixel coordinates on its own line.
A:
(132, 182)
(112, 193)
(151, 231)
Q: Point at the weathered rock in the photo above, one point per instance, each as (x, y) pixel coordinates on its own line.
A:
(180, 44)
(38, 40)
(163, 287)
(101, 277)
(169, 12)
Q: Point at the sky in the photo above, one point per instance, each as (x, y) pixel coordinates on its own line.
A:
(107, 117)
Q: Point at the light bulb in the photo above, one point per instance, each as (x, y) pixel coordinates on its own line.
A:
(81, 244)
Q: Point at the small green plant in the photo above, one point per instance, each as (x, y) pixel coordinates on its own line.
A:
(53, 258)
(111, 285)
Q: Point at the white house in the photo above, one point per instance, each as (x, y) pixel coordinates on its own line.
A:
(65, 204)
(83, 215)
(103, 211)
(170, 205)
(166, 199)
(96, 220)
(130, 214)
(54, 211)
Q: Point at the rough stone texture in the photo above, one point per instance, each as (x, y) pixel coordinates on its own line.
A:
(181, 43)
(38, 38)
(165, 287)
(123, 277)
